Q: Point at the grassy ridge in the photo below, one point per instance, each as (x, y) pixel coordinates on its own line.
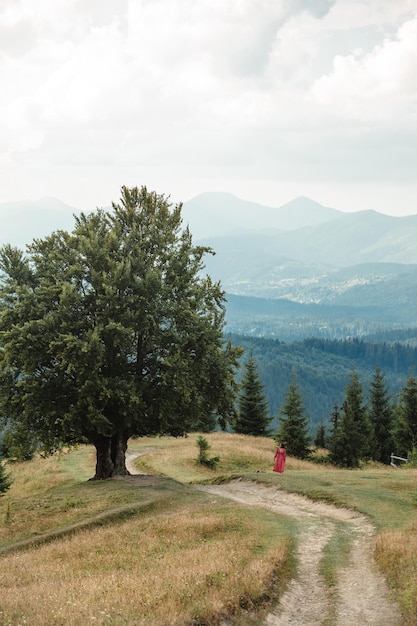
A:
(386, 495)
(153, 550)
(145, 550)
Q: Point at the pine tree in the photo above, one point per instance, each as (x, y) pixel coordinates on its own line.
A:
(293, 426)
(380, 415)
(335, 440)
(351, 438)
(405, 429)
(320, 440)
(5, 480)
(253, 418)
(334, 420)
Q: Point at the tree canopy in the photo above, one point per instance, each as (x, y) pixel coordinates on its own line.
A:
(113, 331)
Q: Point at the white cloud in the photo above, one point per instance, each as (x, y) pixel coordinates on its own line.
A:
(203, 90)
(370, 85)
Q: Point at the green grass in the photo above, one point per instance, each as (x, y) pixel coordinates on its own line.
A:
(335, 553)
(47, 495)
(387, 496)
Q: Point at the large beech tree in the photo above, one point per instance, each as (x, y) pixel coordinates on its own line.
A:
(113, 331)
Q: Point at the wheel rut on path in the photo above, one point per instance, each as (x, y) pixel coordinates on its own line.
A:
(361, 595)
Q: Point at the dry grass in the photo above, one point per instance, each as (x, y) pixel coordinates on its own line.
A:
(396, 555)
(185, 557)
(47, 494)
(239, 454)
(168, 568)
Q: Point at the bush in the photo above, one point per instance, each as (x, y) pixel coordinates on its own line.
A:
(412, 457)
(19, 443)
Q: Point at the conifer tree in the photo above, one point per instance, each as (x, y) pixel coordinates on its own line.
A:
(19, 442)
(336, 441)
(350, 442)
(334, 420)
(380, 415)
(320, 440)
(293, 426)
(252, 418)
(405, 429)
(5, 479)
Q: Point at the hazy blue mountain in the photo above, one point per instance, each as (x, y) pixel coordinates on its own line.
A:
(360, 267)
(353, 238)
(21, 222)
(349, 239)
(303, 270)
(214, 214)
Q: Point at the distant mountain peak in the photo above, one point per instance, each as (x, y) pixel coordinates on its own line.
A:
(303, 203)
(216, 214)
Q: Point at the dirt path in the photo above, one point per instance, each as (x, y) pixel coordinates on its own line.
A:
(361, 596)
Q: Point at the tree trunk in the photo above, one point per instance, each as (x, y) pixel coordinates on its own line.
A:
(118, 454)
(104, 463)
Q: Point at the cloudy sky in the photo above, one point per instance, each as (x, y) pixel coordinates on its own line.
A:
(265, 99)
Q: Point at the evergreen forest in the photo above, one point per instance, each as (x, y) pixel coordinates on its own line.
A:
(323, 368)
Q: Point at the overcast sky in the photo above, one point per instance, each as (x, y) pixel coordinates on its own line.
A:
(265, 99)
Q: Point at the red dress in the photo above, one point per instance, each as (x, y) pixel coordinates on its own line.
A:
(280, 456)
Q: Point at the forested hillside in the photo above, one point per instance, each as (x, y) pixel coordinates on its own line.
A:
(288, 320)
(322, 368)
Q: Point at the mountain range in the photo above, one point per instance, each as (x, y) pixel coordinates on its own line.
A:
(296, 270)
(304, 269)
(303, 231)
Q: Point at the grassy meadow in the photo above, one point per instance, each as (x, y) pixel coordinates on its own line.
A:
(153, 550)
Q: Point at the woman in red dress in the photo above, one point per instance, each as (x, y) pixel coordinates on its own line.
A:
(280, 456)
